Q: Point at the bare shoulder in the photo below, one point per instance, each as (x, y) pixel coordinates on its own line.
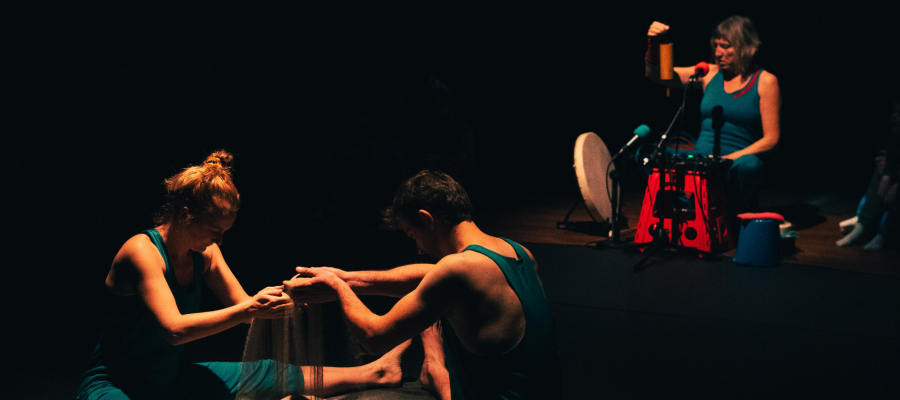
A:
(139, 251)
(713, 70)
(138, 258)
(459, 263)
(768, 82)
(212, 256)
(461, 267)
(531, 256)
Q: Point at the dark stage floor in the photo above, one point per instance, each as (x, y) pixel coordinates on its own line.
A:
(712, 329)
(814, 214)
(824, 324)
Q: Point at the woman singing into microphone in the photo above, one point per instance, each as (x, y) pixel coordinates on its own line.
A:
(747, 96)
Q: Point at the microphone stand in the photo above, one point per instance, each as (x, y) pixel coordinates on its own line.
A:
(661, 234)
(613, 241)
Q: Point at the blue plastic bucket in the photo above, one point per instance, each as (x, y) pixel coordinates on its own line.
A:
(759, 243)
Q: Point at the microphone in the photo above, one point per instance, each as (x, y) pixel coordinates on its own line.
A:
(718, 121)
(639, 133)
(700, 70)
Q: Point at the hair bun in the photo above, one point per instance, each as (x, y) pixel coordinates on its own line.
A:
(221, 158)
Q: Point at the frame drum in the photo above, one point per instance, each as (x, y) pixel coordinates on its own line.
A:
(591, 160)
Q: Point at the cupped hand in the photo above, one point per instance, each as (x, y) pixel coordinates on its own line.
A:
(657, 28)
(313, 285)
(269, 303)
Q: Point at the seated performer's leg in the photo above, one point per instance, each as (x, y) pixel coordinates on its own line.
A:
(744, 179)
(871, 213)
(383, 372)
(887, 229)
(103, 387)
(222, 380)
(105, 392)
(434, 377)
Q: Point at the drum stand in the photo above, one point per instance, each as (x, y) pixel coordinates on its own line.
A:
(591, 156)
(611, 227)
(590, 227)
(661, 239)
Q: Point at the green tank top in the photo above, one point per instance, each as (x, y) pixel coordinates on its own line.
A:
(132, 352)
(741, 123)
(529, 370)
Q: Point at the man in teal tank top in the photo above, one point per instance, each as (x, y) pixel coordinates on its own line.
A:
(483, 297)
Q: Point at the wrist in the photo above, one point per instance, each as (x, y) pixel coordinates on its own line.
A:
(244, 313)
(335, 283)
(651, 57)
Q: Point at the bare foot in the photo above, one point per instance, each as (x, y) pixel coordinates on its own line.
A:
(387, 368)
(426, 380)
(852, 237)
(434, 377)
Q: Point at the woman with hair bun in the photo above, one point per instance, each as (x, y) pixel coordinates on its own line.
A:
(155, 282)
(740, 100)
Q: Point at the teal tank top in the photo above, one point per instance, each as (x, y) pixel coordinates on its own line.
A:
(132, 352)
(529, 370)
(740, 111)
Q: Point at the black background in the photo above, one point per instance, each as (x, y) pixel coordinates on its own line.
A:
(105, 101)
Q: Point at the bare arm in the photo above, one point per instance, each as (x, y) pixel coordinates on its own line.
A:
(534, 262)
(396, 282)
(651, 70)
(439, 291)
(141, 263)
(770, 113)
(221, 280)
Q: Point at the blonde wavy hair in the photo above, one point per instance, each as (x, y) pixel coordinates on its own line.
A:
(204, 189)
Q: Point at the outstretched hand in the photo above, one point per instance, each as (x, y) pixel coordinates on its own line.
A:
(313, 285)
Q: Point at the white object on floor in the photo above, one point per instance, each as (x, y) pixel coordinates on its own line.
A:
(847, 224)
(851, 237)
(784, 228)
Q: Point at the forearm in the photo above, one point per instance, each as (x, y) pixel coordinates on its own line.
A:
(396, 282)
(189, 327)
(651, 60)
(760, 146)
(362, 323)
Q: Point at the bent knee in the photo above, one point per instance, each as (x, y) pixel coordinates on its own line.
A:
(747, 163)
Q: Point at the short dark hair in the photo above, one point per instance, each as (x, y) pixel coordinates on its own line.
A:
(740, 32)
(432, 191)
